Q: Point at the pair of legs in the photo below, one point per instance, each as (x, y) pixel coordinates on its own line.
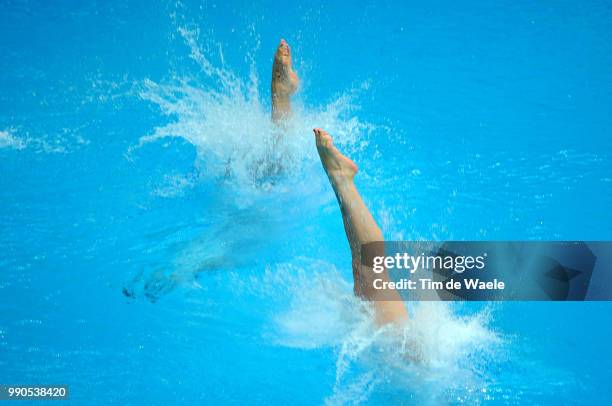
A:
(359, 224)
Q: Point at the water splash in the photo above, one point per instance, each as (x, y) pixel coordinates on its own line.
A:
(436, 345)
(228, 122)
(66, 141)
(8, 140)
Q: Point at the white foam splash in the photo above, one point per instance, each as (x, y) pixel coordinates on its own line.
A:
(10, 141)
(66, 141)
(229, 124)
(436, 345)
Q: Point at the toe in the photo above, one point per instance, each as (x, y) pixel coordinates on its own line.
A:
(283, 48)
(317, 133)
(323, 138)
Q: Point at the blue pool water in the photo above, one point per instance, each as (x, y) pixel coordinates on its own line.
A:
(138, 266)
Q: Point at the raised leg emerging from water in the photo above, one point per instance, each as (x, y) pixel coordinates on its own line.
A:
(359, 226)
(284, 82)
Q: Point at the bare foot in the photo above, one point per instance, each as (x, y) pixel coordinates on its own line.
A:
(337, 166)
(284, 80)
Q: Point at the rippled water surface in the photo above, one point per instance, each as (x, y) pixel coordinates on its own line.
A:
(152, 250)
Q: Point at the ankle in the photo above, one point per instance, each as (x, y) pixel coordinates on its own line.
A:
(340, 178)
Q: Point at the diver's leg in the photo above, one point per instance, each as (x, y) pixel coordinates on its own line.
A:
(284, 82)
(359, 226)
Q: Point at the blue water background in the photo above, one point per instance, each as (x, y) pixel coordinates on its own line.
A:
(492, 122)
